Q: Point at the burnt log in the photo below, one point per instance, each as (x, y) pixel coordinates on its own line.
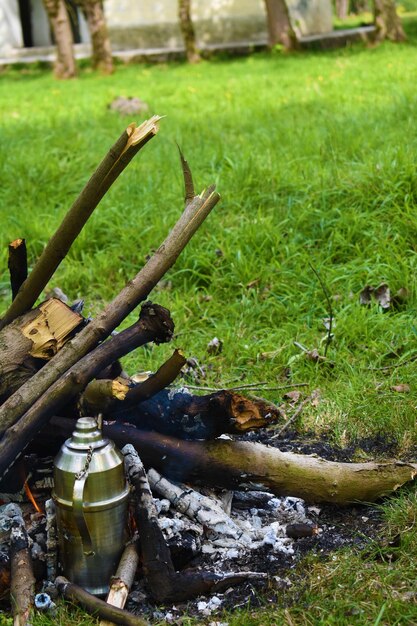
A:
(237, 464)
(22, 584)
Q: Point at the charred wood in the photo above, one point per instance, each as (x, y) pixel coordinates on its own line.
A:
(18, 265)
(233, 464)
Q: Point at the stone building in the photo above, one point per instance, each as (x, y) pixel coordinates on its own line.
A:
(153, 24)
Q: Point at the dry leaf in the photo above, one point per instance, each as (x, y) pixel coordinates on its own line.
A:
(401, 388)
(292, 396)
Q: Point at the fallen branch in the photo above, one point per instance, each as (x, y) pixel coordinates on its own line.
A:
(233, 464)
(95, 606)
(127, 300)
(118, 157)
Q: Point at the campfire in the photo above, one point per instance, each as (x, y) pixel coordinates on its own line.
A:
(186, 508)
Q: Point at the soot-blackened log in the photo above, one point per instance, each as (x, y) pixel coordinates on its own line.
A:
(178, 413)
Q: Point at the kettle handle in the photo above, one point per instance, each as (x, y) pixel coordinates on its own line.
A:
(78, 509)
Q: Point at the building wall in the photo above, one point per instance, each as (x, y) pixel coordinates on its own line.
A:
(154, 23)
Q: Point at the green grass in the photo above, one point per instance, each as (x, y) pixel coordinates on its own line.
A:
(315, 158)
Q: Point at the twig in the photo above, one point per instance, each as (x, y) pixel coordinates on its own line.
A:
(254, 387)
(115, 161)
(330, 308)
(189, 192)
(296, 413)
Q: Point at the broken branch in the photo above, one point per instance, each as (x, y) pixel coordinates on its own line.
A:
(115, 161)
(17, 264)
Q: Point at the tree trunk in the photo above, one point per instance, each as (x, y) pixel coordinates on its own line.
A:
(280, 29)
(387, 22)
(342, 9)
(102, 56)
(61, 27)
(187, 29)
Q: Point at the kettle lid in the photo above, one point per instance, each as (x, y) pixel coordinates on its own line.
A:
(86, 435)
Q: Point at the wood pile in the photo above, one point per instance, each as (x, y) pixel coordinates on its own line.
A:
(56, 366)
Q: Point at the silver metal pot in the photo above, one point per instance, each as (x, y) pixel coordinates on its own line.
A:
(90, 495)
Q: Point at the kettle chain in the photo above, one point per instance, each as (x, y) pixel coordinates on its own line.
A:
(84, 470)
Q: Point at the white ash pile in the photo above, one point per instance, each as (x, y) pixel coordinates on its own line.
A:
(229, 526)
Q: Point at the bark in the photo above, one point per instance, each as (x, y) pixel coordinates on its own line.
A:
(95, 606)
(135, 292)
(22, 585)
(18, 265)
(4, 574)
(187, 30)
(387, 21)
(154, 324)
(31, 340)
(65, 62)
(123, 579)
(102, 56)
(167, 585)
(178, 413)
(280, 30)
(115, 161)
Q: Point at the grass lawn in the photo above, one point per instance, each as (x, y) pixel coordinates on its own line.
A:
(315, 158)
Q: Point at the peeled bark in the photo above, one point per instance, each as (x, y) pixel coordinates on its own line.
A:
(31, 340)
(102, 55)
(387, 21)
(65, 62)
(187, 29)
(280, 30)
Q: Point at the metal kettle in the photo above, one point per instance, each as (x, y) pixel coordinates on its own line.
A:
(90, 494)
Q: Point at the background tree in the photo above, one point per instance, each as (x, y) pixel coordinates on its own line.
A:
(341, 8)
(187, 29)
(387, 21)
(94, 14)
(65, 62)
(280, 29)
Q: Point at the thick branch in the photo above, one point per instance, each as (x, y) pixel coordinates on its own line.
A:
(134, 292)
(154, 324)
(121, 153)
(18, 265)
(107, 396)
(178, 413)
(95, 606)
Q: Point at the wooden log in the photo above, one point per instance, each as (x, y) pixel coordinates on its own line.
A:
(134, 293)
(95, 606)
(33, 339)
(231, 464)
(123, 579)
(115, 161)
(22, 585)
(18, 265)
(178, 413)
